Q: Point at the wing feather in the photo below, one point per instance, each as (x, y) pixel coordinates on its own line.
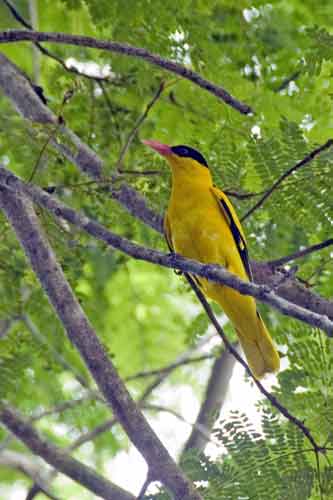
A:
(167, 232)
(235, 227)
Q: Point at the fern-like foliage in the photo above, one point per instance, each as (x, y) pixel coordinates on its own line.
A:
(273, 462)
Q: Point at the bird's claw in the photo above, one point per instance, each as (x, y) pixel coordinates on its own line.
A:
(173, 257)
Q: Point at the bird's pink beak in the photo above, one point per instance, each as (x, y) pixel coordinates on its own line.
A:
(162, 149)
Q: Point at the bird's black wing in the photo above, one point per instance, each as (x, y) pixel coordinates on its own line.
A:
(235, 228)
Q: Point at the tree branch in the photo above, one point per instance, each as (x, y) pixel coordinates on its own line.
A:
(199, 428)
(300, 253)
(54, 456)
(291, 289)
(307, 159)
(213, 400)
(137, 126)
(169, 368)
(5, 325)
(128, 50)
(21, 215)
(211, 272)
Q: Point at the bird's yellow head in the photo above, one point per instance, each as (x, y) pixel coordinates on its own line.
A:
(183, 160)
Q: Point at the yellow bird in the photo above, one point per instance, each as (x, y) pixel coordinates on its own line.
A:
(202, 224)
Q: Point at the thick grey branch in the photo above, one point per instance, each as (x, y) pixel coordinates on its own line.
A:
(21, 215)
(128, 50)
(55, 456)
(212, 272)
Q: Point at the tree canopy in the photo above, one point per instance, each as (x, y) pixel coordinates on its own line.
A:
(88, 307)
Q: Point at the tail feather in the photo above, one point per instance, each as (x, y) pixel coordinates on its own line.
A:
(259, 350)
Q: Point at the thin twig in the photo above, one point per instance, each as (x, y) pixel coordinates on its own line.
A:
(51, 136)
(11, 36)
(272, 399)
(319, 477)
(197, 426)
(307, 159)
(170, 367)
(318, 270)
(140, 172)
(137, 126)
(241, 196)
(300, 253)
(144, 487)
(285, 83)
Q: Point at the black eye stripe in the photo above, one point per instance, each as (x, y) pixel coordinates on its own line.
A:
(187, 152)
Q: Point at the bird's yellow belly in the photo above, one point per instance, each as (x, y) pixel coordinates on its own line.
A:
(202, 236)
(199, 234)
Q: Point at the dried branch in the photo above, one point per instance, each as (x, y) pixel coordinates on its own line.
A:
(211, 272)
(307, 159)
(22, 217)
(272, 399)
(55, 456)
(128, 50)
(300, 253)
